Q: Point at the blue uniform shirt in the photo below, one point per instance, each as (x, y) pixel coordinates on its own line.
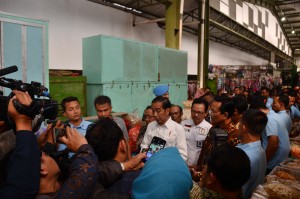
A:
(276, 127)
(294, 112)
(258, 162)
(269, 103)
(286, 119)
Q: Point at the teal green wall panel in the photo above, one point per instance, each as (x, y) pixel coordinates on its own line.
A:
(148, 67)
(128, 97)
(172, 65)
(34, 54)
(112, 52)
(127, 72)
(142, 96)
(103, 59)
(92, 59)
(132, 61)
(120, 95)
(178, 93)
(92, 90)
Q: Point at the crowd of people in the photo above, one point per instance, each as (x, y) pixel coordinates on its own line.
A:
(224, 149)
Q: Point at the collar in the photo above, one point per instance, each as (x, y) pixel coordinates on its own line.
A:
(168, 123)
(271, 112)
(83, 125)
(250, 144)
(282, 112)
(201, 123)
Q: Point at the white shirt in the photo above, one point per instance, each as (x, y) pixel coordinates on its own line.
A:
(171, 131)
(195, 136)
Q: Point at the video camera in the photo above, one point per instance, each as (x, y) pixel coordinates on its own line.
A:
(42, 106)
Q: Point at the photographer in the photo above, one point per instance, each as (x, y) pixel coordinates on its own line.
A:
(82, 173)
(24, 164)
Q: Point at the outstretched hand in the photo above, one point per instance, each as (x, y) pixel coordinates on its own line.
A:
(73, 139)
(135, 163)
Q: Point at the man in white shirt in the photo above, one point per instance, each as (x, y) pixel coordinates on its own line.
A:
(164, 127)
(196, 130)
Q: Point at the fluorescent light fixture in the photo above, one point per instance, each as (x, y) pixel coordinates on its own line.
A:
(127, 8)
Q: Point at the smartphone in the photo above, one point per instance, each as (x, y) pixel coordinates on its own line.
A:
(58, 133)
(156, 144)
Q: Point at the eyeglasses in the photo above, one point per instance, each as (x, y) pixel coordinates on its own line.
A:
(197, 112)
(148, 116)
(214, 111)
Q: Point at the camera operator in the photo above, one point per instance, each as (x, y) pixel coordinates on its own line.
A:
(82, 170)
(24, 164)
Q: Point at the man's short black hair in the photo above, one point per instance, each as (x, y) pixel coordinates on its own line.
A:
(240, 103)
(179, 107)
(148, 107)
(164, 100)
(255, 121)
(201, 101)
(231, 165)
(104, 136)
(292, 94)
(265, 88)
(257, 101)
(285, 100)
(209, 93)
(226, 105)
(102, 99)
(66, 100)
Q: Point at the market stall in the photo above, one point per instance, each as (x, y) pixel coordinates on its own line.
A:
(251, 77)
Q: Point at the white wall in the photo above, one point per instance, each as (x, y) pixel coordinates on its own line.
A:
(242, 17)
(224, 55)
(72, 20)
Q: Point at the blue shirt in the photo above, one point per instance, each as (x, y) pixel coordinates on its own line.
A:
(276, 127)
(286, 119)
(294, 112)
(258, 162)
(269, 103)
(81, 129)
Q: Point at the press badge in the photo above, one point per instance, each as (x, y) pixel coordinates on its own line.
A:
(199, 143)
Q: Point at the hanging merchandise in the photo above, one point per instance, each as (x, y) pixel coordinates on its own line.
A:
(251, 78)
(220, 83)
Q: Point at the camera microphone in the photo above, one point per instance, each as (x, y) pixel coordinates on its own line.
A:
(8, 70)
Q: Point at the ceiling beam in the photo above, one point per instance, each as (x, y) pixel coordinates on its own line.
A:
(286, 2)
(292, 14)
(165, 2)
(287, 9)
(289, 22)
(291, 28)
(294, 36)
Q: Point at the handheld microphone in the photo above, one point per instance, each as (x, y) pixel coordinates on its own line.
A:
(8, 70)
